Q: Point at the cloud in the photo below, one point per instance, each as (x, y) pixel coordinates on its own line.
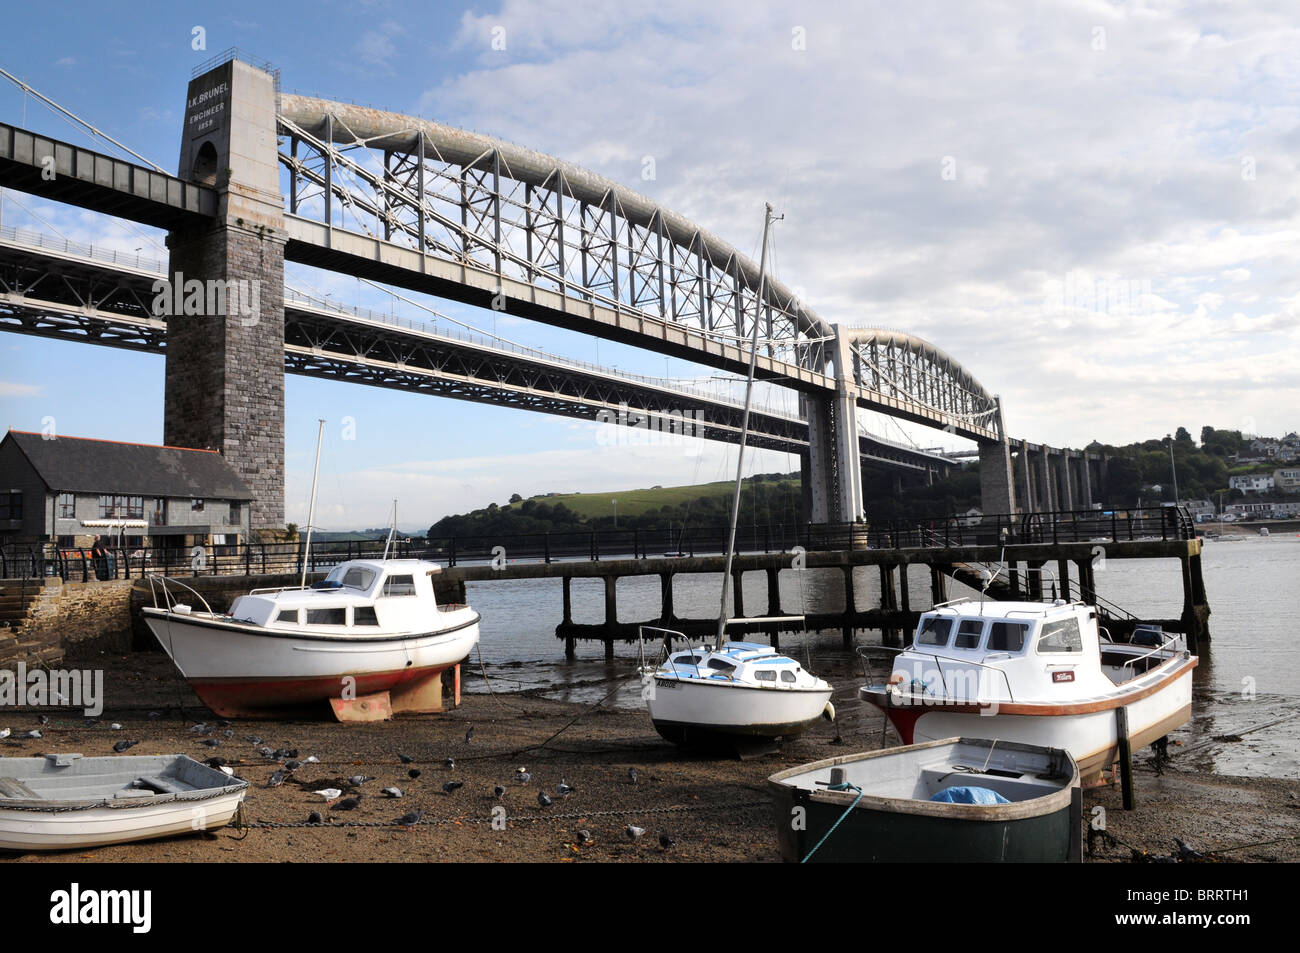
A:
(16, 389)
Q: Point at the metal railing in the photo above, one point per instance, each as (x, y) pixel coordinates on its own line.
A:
(42, 560)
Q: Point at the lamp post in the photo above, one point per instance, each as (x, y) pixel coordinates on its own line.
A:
(1173, 469)
(615, 502)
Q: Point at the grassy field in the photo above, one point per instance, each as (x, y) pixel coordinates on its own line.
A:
(638, 502)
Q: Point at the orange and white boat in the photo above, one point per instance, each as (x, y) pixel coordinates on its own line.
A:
(1035, 673)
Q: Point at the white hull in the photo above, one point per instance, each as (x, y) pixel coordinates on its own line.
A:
(730, 708)
(36, 830)
(234, 651)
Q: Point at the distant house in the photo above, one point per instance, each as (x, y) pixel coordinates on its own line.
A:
(67, 490)
(1251, 482)
(1287, 479)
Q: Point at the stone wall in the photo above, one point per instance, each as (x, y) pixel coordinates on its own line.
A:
(72, 620)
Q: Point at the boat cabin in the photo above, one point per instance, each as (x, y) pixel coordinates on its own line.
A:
(370, 595)
(747, 662)
(1017, 651)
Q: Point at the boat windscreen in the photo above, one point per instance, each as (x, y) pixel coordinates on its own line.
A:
(354, 577)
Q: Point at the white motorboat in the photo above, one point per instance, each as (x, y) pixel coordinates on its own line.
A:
(370, 638)
(739, 688)
(65, 801)
(1036, 673)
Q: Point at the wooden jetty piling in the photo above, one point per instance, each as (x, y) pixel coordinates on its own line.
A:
(894, 614)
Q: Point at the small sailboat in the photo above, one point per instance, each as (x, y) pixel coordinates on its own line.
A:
(725, 691)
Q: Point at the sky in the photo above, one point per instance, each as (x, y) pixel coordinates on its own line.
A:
(1092, 206)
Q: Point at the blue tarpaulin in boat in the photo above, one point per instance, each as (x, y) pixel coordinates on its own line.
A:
(969, 795)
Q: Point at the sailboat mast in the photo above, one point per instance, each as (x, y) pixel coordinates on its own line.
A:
(744, 428)
(311, 508)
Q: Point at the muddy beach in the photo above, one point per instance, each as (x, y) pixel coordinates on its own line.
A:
(712, 810)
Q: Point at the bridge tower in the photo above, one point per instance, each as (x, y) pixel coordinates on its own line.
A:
(224, 385)
(997, 479)
(833, 471)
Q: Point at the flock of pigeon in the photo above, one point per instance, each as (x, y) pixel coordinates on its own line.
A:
(346, 794)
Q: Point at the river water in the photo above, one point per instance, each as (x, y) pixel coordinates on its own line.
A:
(1248, 676)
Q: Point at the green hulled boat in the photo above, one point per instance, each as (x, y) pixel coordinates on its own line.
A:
(996, 801)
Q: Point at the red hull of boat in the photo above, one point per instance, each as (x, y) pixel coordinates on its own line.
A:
(250, 697)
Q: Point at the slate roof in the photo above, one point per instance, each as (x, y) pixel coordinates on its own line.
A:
(84, 465)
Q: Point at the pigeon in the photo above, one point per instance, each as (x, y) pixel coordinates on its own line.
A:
(315, 818)
(405, 759)
(5, 733)
(292, 765)
(410, 819)
(276, 780)
(210, 742)
(499, 791)
(312, 760)
(226, 722)
(44, 719)
(392, 792)
(116, 726)
(229, 733)
(542, 799)
(666, 841)
(124, 746)
(155, 714)
(34, 733)
(359, 779)
(253, 740)
(633, 832)
(279, 754)
(584, 837)
(228, 772)
(215, 762)
(328, 794)
(452, 786)
(469, 734)
(413, 773)
(631, 776)
(348, 803)
(563, 789)
(200, 729)
(523, 775)
(264, 751)
(450, 764)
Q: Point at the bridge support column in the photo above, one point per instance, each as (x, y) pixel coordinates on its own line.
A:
(1047, 499)
(774, 601)
(834, 460)
(224, 387)
(666, 599)
(997, 481)
(1085, 481)
(1025, 495)
(1063, 482)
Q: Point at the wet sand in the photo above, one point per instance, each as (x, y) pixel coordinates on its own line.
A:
(715, 810)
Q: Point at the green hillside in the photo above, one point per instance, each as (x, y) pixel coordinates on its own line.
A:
(632, 503)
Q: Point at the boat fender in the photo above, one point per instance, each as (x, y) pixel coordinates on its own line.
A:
(895, 685)
(829, 712)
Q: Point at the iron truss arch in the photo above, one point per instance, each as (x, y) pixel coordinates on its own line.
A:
(508, 211)
(905, 374)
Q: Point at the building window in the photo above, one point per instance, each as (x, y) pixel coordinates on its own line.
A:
(11, 505)
(119, 506)
(67, 542)
(196, 506)
(234, 512)
(66, 506)
(159, 511)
